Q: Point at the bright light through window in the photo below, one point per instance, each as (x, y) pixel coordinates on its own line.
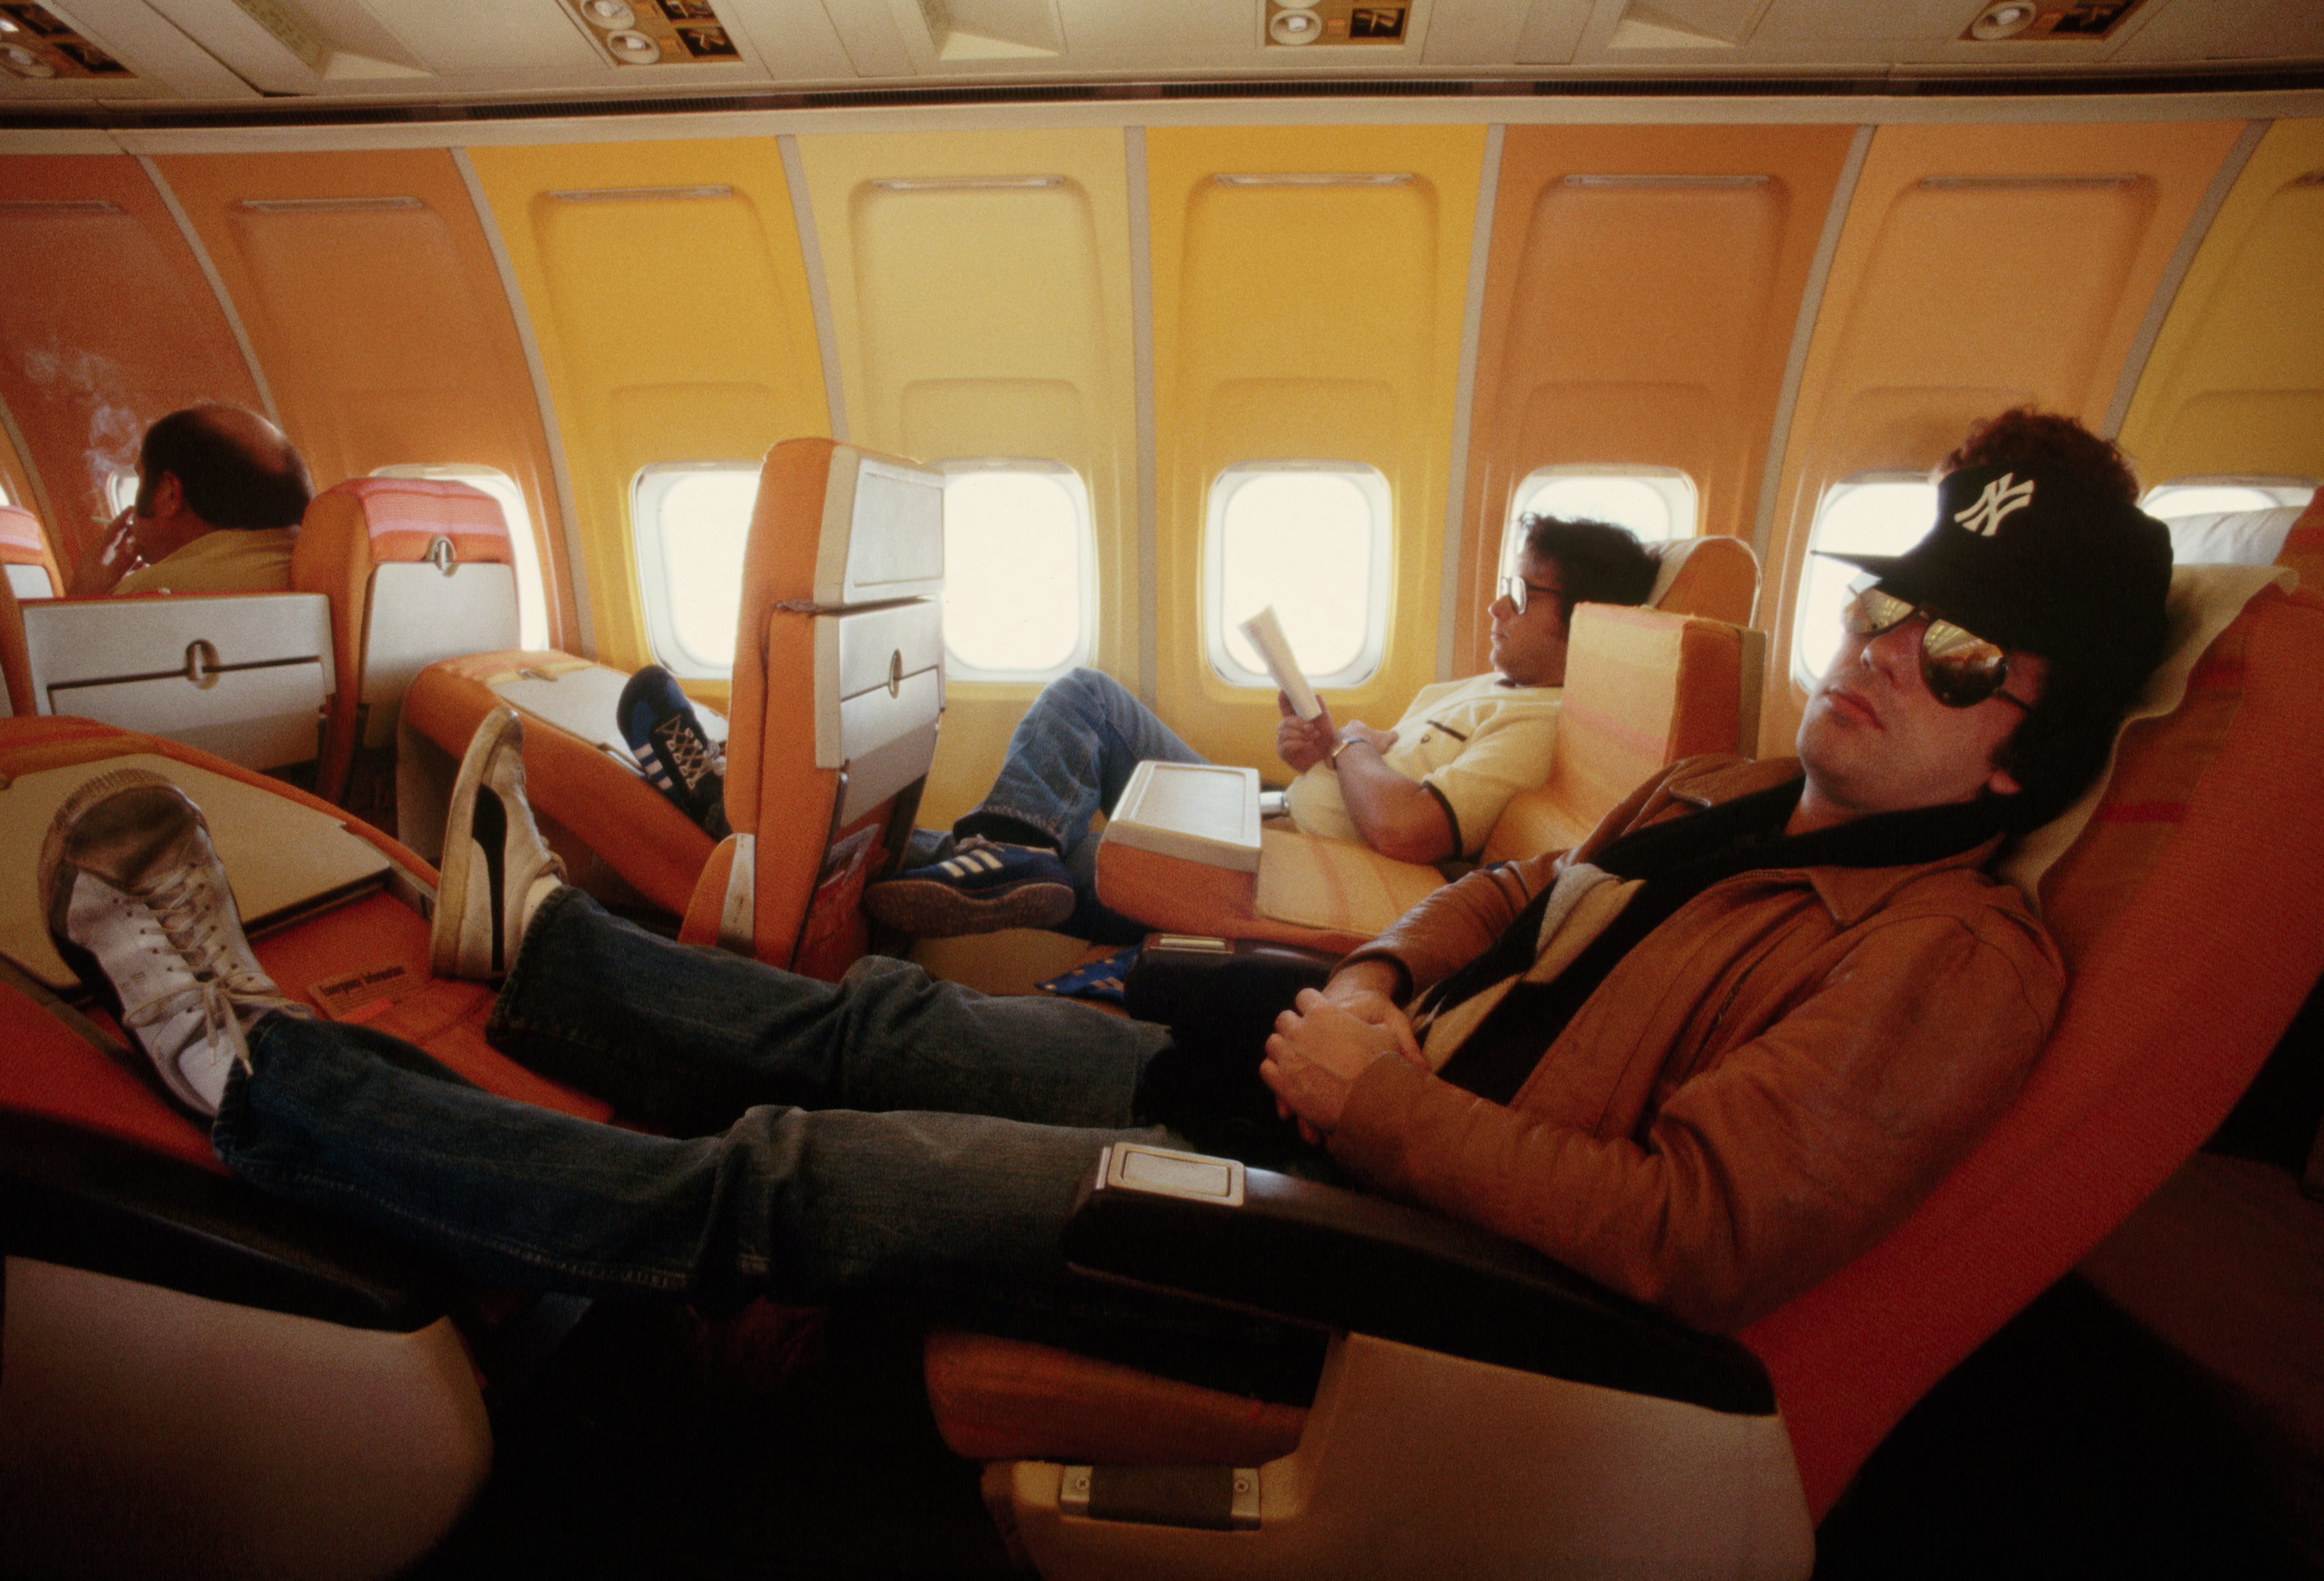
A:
(2204, 499)
(1311, 542)
(691, 521)
(531, 601)
(1865, 516)
(1017, 571)
(705, 521)
(120, 489)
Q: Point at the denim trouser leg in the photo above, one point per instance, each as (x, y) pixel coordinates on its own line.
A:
(943, 1207)
(1070, 758)
(949, 1212)
(689, 1038)
(1073, 754)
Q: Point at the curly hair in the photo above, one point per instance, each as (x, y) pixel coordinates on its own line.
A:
(2023, 436)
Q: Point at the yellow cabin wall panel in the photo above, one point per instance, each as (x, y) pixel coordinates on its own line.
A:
(1641, 292)
(671, 328)
(1980, 267)
(1318, 322)
(974, 318)
(2236, 383)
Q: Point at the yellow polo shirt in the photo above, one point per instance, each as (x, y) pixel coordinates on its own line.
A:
(1473, 742)
(230, 560)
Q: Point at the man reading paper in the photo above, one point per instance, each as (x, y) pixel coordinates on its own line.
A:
(1428, 788)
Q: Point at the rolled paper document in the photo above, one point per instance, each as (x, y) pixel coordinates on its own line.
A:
(1266, 634)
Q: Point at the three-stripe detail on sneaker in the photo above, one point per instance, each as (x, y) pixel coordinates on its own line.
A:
(650, 762)
(970, 862)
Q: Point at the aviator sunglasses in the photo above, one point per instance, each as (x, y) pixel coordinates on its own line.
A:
(1961, 669)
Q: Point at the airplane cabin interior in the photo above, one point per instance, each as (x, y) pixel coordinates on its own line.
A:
(869, 366)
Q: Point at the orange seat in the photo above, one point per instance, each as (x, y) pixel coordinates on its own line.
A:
(415, 570)
(2192, 913)
(838, 687)
(1714, 576)
(272, 1392)
(25, 560)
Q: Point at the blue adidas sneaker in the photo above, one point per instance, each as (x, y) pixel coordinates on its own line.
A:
(677, 754)
(982, 887)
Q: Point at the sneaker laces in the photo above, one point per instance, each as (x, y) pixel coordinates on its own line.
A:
(198, 925)
(694, 756)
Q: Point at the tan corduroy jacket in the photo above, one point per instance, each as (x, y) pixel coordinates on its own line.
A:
(1760, 1090)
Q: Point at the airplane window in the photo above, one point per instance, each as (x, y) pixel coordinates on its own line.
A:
(1656, 503)
(691, 521)
(1874, 514)
(1310, 537)
(2203, 496)
(531, 602)
(1017, 570)
(120, 489)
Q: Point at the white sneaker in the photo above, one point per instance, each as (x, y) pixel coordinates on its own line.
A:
(497, 868)
(138, 904)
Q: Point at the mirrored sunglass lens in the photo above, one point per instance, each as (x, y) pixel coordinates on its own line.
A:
(1961, 668)
(1872, 612)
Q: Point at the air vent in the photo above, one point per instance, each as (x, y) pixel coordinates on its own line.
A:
(2023, 183)
(1667, 181)
(57, 205)
(1316, 179)
(639, 194)
(964, 183)
(327, 205)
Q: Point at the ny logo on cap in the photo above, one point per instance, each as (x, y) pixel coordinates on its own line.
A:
(1999, 498)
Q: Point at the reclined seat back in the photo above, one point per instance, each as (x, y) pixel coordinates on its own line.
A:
(2191, 910)
(838, 687)
(416, 569)
(244, 675)
(24, 559)
(273, 1393)
(1714, 576)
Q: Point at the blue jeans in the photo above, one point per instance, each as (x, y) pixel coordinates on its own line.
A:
(1070, 758)
(898, 1137)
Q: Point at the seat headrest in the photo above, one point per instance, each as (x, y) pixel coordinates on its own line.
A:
(390, 519)
(836, 525)
(2235, 537)
(2204, 601)
(1714, 576)
(22, 543)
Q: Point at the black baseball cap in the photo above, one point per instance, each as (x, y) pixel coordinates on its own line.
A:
(2026, 557)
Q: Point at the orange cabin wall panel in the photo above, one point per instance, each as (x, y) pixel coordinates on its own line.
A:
(381, 322)
(1980, 267)
(1643, 318)
(106, 324)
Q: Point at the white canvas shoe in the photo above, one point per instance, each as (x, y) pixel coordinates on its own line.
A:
(138, 904)
(497, 868)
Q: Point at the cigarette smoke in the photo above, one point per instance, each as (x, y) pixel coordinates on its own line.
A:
(88, 380)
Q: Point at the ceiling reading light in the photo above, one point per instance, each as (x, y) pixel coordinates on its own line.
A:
(89, 205)
(326, 205)
(964, 183)
(2023, 183)
(1735, 182)
(2005, 19)
(639, 194)
(1316, 179)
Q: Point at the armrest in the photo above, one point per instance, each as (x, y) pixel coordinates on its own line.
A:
(1253, 1239)
(82, 1201)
